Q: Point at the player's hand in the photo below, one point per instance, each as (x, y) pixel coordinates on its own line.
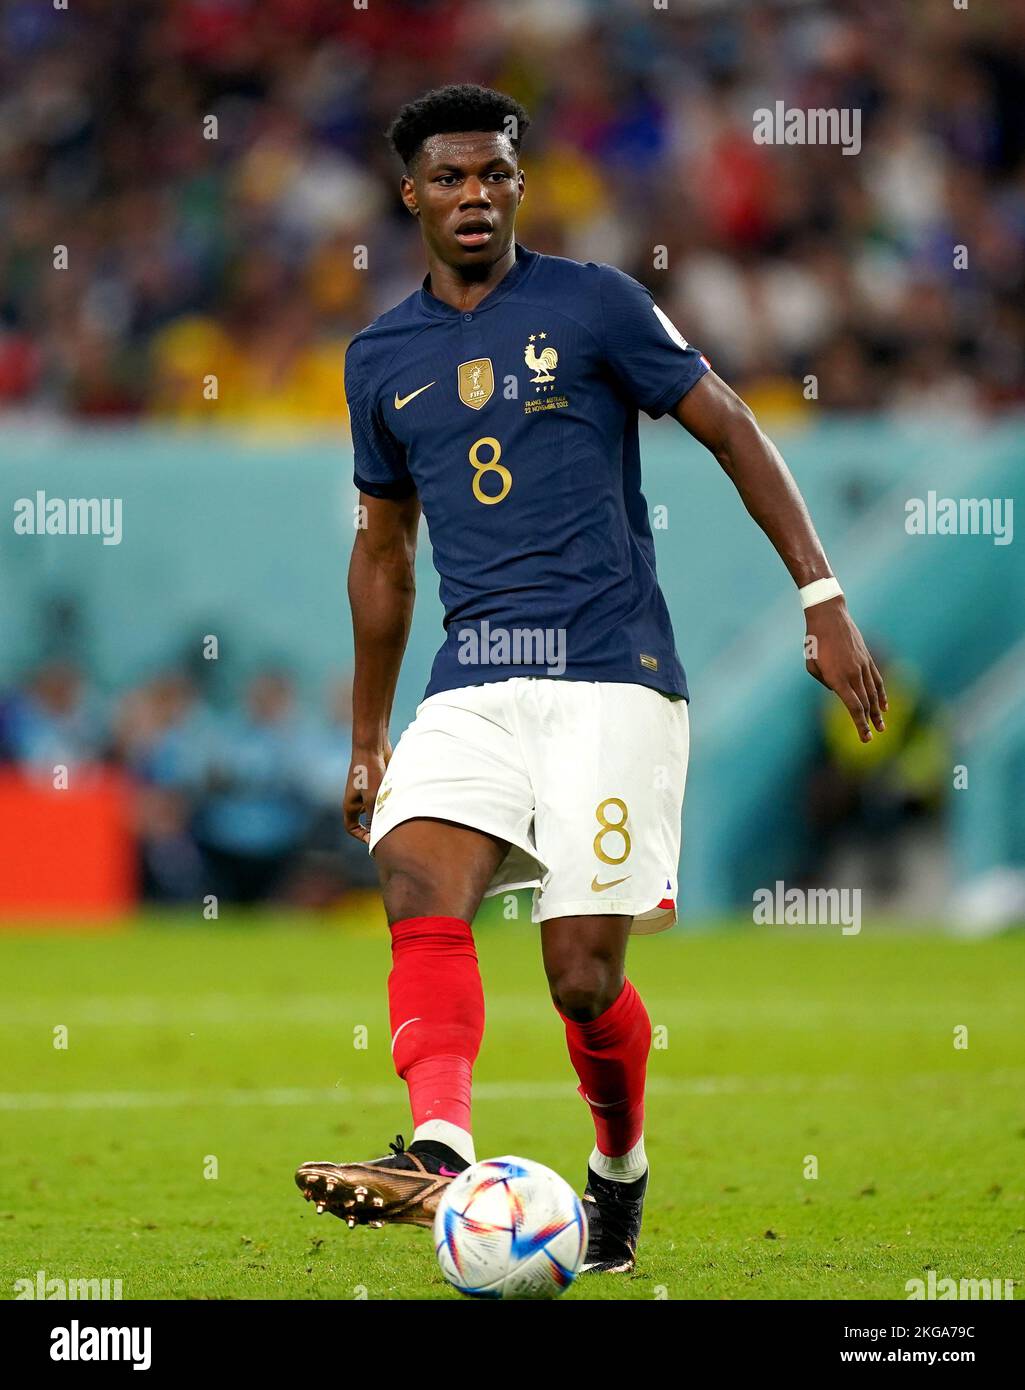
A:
(366, 772)
(837, 656)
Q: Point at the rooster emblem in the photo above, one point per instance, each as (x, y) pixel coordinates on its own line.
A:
(543, 364)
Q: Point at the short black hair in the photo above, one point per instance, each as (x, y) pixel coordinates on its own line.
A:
(462, 106)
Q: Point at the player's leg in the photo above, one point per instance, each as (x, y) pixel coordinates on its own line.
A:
(608, 1035)
(608, 765)
(433, 876)
(453, 807)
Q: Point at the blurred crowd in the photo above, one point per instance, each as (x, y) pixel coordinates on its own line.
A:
(244, 804)
(234, 255)
(245, 801)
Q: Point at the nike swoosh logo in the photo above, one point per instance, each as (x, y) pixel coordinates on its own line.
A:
(400, 401)
(597, 887)
(447, 1172)
(399, 1029)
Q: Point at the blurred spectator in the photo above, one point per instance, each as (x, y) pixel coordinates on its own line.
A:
(331, 748)
(53, 722)
(164, 739)
(254, 815)
(866, 801)
(237, 255)
(331, 861)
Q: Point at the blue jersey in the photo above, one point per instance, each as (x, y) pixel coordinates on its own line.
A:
(516, 424)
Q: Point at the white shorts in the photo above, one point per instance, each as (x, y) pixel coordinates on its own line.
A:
(584, 779)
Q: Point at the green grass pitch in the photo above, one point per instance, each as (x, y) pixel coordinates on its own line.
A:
(245, 1047)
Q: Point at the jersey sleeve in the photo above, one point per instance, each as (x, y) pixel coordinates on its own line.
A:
(379, 460)
(646, 352)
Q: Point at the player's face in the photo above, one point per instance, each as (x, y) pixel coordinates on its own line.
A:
(466, 188)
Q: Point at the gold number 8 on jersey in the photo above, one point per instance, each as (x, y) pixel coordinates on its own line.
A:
(491, 467)
(601, 815)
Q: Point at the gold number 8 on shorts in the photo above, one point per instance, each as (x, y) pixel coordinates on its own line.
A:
(608, 825)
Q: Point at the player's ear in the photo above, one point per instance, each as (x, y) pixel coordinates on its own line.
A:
(407, 192)
(521, 187)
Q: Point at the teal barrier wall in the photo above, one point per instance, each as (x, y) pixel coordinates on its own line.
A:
(249, 540)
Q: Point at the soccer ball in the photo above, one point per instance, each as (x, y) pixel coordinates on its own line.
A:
(510, 1228)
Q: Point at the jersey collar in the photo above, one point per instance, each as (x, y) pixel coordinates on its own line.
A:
(521, 267)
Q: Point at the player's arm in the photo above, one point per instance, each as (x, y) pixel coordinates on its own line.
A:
(382, 589)
(715, 415)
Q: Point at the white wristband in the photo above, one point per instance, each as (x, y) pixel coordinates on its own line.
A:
(819, 590)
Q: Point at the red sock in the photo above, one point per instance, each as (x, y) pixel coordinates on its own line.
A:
(610, 1056)
(437, 1015)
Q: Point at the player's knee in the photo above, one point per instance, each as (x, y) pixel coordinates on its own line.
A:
(410, 887)
(584, 989)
